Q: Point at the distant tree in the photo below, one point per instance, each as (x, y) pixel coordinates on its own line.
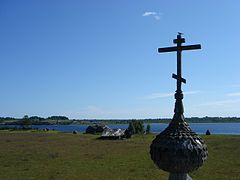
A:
(148, 129)
(26, 122)
(25, 117)
(36, 118)
(136, 127)
(131, 128)
(9, 118)
(139, 127)
(58, 118)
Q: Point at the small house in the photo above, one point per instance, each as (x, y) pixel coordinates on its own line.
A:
(114, 134)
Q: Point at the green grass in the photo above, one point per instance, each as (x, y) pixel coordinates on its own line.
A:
(51, 155)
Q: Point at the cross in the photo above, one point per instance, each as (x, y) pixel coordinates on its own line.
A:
(179, 48)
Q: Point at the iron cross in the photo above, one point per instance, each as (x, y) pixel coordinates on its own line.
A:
(179, 48)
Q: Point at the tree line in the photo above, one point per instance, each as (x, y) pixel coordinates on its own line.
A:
(36, 120)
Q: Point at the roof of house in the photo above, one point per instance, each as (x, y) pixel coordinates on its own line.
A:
(113, 132)
(96, 128)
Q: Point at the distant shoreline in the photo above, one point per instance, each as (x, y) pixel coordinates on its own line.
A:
(62, 120)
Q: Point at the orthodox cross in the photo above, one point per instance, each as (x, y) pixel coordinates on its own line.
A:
(178, 138)
(179, 48)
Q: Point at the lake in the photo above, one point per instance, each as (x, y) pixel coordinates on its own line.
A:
(200, 128)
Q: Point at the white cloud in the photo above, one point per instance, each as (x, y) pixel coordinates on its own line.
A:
(224, 108)
(191, 92)
(158, 95)
(234, 94)
(236, 85)
(151, 13)
(163, 95)
(223, 103)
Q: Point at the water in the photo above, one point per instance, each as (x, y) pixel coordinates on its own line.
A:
(200, 128)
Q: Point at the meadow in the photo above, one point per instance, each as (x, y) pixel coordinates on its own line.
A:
(55, 155)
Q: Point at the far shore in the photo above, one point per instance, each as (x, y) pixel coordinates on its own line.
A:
(62, 120)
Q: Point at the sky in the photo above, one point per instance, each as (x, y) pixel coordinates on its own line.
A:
(98, 59)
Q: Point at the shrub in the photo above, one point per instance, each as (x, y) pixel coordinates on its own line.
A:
(136, 127)
(148, 129)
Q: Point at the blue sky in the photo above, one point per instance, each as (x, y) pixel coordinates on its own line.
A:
(99, 59)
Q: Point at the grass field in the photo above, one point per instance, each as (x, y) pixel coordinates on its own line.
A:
(47, 155)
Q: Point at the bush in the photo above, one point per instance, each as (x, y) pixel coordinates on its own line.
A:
(131, 128)
(136, 127)
(148, 129)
